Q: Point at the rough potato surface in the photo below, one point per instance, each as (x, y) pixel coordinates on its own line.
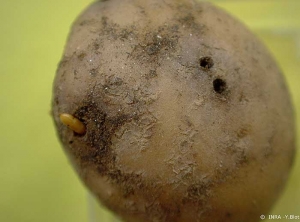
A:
(188, 117)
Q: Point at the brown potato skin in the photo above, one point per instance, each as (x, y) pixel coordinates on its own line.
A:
(187, 116)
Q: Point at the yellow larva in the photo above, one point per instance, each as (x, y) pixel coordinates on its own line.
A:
(73, 123)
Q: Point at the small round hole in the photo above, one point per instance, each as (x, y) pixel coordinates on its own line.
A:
(219, 85)
(206, 62)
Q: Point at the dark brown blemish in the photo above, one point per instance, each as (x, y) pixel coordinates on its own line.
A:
(228, 214)
(126, 33)
(128, 182)
(198, 192)
(62, 63)
(219, 85)
(206, 62)
(81, 56)
(152, 73)
(55, 101)
(152, 49)
(239, 155)
(95, 147)
(93, 72)
(100, 127)
(243, 158)
(112, 83)
(157, 43)
(96, 46)
(104, 21)
(188, 20)
(109, 28)
(154, 46)
(243, 132)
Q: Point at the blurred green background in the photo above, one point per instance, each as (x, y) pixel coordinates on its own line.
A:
(36, 180)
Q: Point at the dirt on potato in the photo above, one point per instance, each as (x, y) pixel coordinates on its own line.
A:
(187, 115)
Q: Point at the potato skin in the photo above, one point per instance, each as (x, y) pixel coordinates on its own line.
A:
(187, 115)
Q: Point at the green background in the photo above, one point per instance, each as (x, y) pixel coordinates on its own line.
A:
(36, 180)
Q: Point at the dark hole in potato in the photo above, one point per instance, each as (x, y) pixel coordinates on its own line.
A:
(219, 85)
(206, 62)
